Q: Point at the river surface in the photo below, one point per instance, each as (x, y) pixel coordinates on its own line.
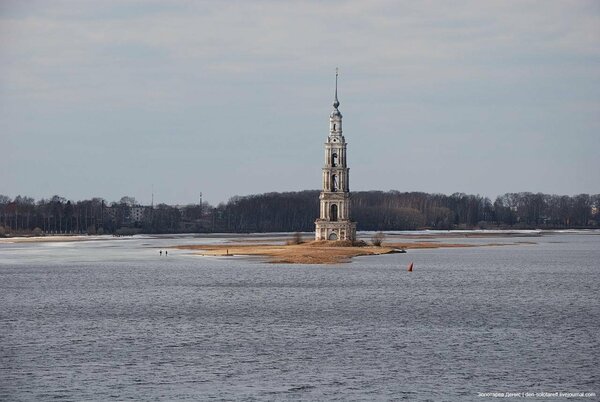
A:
(111, 319)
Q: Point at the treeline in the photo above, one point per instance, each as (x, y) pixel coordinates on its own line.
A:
(297, 211)
(394, 210)
(57, 215)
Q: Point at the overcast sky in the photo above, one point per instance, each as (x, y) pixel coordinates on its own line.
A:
(112, 98)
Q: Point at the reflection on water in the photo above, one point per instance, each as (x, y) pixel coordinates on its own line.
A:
(113, 319)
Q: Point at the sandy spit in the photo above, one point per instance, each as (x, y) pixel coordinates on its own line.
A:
(311, 253)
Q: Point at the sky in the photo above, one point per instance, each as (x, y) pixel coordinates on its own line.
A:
(224, 98)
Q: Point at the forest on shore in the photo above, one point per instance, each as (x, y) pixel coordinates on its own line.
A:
(297, 211)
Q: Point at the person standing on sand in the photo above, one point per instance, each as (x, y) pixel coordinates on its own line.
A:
(160, 252)
(166, 253)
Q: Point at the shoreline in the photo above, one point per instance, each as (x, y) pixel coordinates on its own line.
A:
(391, 237)
(54, 238)
(273, 247)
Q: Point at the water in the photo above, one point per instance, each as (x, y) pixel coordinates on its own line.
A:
(110, 319)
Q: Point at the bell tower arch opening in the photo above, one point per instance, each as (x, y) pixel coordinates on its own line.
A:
(333, 213)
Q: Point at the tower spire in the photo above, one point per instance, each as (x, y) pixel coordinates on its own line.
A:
(336, 102)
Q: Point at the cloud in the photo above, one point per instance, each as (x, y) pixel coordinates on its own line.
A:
(90, 45)
(215, 66)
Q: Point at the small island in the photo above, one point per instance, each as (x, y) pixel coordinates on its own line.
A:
(318, 251)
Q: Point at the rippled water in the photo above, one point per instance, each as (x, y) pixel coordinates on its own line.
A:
(113, 320)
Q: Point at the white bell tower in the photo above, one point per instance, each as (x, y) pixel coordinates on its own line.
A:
(334, 218)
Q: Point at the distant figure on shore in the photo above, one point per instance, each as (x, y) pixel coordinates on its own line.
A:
(410, 267)
(160, 252)
(166, 253)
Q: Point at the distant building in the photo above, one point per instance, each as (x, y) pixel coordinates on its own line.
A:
(334, 217)
(110, 212)
(125, 214)
(136, 213)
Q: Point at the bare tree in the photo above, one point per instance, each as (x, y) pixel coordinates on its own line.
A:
(127, 200)
(296, 238)
(377, 239)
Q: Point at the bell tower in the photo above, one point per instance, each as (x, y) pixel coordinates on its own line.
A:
(334, 217)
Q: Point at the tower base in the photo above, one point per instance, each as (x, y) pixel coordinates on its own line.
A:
(339, 230)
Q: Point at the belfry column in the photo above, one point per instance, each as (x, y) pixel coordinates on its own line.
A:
(334, 220)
